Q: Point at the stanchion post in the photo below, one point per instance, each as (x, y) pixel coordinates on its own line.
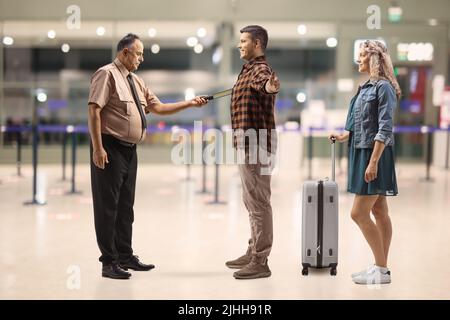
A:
(218, 152)
(188, 172)
(216, 187)
(428, 132)
(203, 190)
(19, 151)
(35, 143)
(187, 160)
(216, 184)
(35, 160)
(64, 155)
(74, 161)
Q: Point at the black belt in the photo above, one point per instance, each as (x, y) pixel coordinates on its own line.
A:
(118, 141)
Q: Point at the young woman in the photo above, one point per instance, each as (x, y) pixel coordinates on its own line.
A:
(371, 169)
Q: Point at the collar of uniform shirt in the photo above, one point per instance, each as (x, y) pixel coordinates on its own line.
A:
(121, 67)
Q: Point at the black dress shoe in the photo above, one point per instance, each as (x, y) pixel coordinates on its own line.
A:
(136, 265)
(114, 271)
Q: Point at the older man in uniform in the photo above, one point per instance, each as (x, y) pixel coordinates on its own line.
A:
(118, 100)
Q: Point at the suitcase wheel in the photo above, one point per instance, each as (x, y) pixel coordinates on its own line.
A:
(333, 271)
(305, 271)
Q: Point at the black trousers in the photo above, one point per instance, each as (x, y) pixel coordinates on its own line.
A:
(113, 191)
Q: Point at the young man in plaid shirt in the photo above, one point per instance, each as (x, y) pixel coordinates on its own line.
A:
(252, 118)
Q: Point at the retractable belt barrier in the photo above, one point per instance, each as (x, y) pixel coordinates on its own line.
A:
(75, 130)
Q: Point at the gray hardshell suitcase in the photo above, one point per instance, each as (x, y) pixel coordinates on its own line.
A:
(320, 223)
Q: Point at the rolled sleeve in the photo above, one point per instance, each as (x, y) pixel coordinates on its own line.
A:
(151, 98)
(101, 88)
(260, 77)
(387, 101)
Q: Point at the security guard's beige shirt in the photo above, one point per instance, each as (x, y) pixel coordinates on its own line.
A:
(111, 91)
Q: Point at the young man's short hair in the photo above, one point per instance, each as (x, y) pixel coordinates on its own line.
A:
(257, 32)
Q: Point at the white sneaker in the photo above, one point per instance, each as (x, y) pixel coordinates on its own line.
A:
(373, 276)
(356, 274)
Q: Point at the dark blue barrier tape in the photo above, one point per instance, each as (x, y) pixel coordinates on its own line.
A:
(81, 128)
(152, 129)
(16, 129)
(397, 129)
(318, 129)
(422, 129)
(51, 128)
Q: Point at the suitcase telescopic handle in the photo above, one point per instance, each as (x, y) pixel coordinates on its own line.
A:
(333, 158)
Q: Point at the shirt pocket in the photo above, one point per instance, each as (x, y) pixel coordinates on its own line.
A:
(126, 101)
(370, 107)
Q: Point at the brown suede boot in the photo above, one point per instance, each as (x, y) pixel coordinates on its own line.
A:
(240, 262)
(257, 268)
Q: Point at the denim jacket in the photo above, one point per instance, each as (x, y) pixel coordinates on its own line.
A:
(373, 111)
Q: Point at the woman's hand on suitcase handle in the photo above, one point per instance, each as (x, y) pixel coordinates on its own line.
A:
(334, 136)
(339, 137)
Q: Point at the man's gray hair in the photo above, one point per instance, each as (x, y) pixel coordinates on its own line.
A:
(127, 41)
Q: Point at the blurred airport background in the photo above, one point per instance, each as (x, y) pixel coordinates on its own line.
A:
(50, 49)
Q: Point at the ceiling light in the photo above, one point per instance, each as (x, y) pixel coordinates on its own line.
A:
(152, 32)
(101, 31)
(301, 29)
(155, 49)
(191, 41)
(51, 34)
(65, 48)
(201, 32)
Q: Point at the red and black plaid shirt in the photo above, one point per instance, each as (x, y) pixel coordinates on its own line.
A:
(251, 106)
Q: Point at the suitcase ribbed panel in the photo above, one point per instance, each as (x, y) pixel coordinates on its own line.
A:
(328, 246)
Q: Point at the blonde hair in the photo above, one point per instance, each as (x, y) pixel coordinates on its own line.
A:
(380, 63)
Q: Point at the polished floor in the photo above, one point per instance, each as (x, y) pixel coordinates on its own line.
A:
(50, 252)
